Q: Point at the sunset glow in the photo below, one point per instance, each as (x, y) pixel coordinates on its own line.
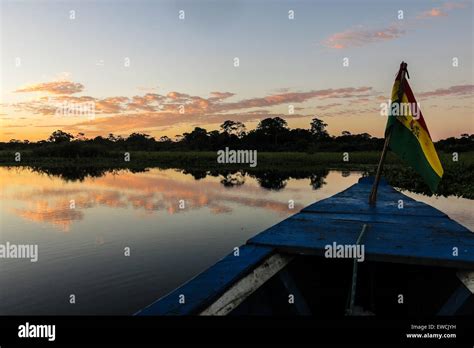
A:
(140, 78)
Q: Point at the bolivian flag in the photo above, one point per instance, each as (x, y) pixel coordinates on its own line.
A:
(410, 138)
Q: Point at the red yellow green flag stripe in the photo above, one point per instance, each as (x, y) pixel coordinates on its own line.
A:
(410, 138)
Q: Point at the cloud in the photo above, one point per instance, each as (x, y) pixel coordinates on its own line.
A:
(359, 37)
(460, 90)
(125, 124)
(50, 105)
(434, 12)
(294, 97)
(149, 102)
(171, 104)
(152, 111)
(147, 89)
(177, 96)
(329, 106)
(54, 87)
(454, 5)
(443, 10)
(203, 111)
(35, 107)
(111, 105)
(218, 96)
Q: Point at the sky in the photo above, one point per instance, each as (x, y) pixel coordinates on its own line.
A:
(100, 67)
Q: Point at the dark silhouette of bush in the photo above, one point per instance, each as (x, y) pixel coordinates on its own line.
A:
(70, 150)
(271, 134)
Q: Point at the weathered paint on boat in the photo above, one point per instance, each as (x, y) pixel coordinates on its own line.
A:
(400, 230)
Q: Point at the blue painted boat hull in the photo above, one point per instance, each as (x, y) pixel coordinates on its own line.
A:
(413, 254)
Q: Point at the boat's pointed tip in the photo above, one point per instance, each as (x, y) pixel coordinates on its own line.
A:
(369, 180)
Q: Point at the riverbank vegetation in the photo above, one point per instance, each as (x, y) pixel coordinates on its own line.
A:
(271, 135)
(283, 153)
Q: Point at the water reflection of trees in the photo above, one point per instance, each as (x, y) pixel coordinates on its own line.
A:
(345, 173)
(453, 182)
(233, 179)
(272, 180)
(81, 173)
(268, 179)
(196, 174)
(317, 180)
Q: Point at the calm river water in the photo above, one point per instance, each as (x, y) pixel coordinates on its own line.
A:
(174, 225)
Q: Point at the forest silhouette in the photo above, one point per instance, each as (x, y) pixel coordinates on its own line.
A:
(271, 135)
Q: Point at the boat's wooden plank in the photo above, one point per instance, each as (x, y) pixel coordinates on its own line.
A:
(467, 278)
(288, 282)
(416, 234)
(461, 295)
(355, 200)
(456, 301)
(389, 206)
(247, 285)
(415, 243)
(437, 223)
(209, 285)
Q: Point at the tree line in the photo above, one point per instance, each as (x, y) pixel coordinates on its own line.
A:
(271, 134)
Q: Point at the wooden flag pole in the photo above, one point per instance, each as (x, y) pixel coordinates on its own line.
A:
(373, 193)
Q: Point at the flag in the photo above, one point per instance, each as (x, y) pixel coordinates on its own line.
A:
(410, 138)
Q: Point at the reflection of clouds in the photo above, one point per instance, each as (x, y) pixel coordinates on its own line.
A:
(58, 215)
(99, 240)
(48, 199)
(220, 209)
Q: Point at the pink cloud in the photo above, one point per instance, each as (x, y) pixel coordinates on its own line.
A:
(111, 105)
(442, 10)
(177, 95)
(460, 90)
(454, 5)
(153, 111)
(218, 96)
(360, 37)
(294, 97)
(174, 101)
(55, 87)
(434, 12)
(329, 106)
